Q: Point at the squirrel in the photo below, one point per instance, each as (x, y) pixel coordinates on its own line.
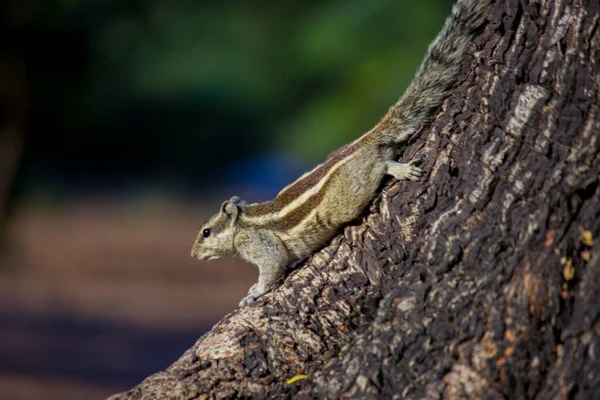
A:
(306, 214)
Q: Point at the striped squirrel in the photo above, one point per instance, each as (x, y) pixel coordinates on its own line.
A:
(310, 211)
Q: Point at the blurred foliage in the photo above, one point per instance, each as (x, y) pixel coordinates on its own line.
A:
(184, 88)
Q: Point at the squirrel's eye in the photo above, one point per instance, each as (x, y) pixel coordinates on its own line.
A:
(206, 233)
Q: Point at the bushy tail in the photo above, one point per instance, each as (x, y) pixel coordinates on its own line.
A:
(438, 72)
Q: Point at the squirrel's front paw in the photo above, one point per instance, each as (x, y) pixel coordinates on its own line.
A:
(247, 301)
(254, 293)
(257, 290)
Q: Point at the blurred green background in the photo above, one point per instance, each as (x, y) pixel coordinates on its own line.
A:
(127, 122)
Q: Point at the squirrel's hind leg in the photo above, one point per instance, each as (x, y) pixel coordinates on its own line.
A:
(407, 170)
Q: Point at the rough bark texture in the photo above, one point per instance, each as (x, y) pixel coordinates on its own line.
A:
(482, 281)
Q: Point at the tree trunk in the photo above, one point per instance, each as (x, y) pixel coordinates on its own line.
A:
(482, 281)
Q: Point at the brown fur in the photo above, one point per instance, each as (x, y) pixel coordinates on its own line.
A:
(300, 186)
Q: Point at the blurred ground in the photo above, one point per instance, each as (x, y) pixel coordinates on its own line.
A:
(96, 294)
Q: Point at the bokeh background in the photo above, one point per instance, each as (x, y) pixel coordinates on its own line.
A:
(125, 123)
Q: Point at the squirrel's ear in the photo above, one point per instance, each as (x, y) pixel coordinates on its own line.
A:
(230, 209)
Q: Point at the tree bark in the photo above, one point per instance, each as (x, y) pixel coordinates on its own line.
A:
(482, 281)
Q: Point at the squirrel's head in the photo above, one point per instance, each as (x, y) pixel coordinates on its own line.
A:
(215, 238)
